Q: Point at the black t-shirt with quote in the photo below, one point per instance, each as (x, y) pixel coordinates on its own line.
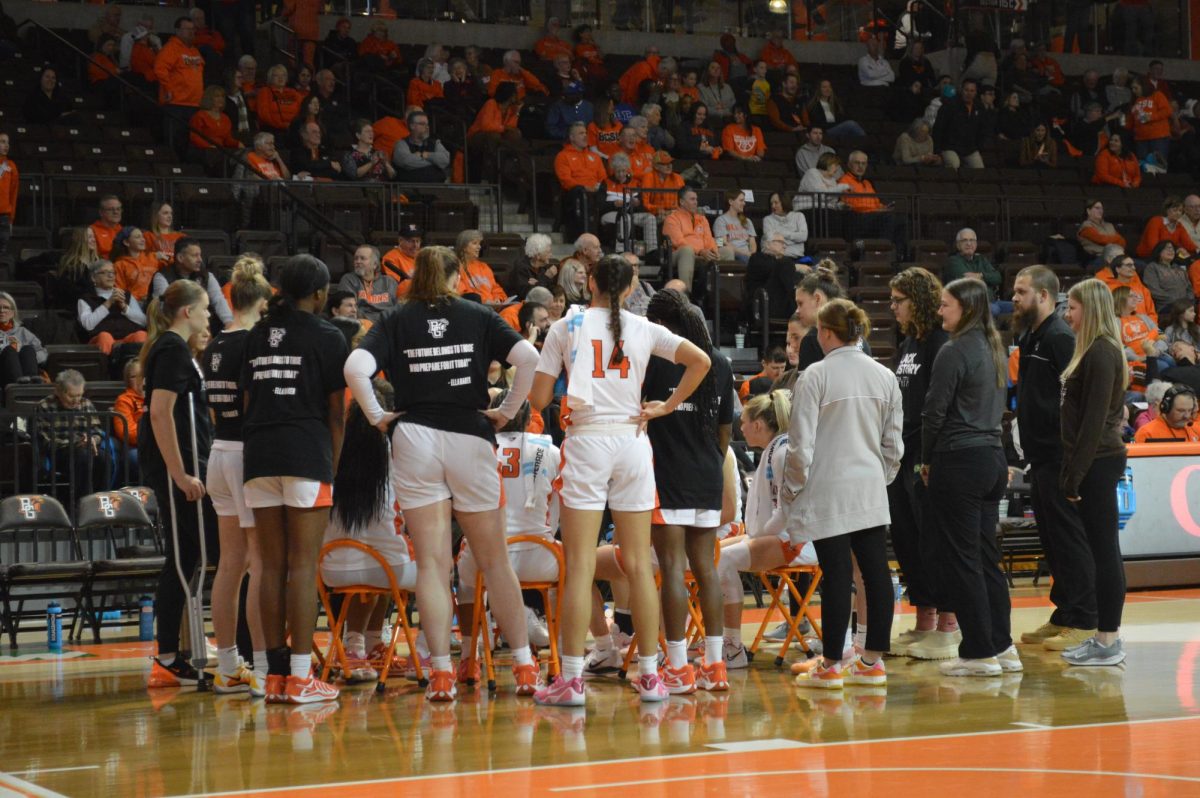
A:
(293, 362)
(437, 358)
(222, 363)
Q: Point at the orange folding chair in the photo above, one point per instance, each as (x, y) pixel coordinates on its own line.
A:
(553, 609)
(335, 654)
(786, 581)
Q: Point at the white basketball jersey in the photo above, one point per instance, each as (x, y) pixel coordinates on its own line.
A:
(529, 465)
(764, 518)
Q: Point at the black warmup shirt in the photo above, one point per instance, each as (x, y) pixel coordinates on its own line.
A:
(223, 362)
(914, 362)
(169, 367)
(688, 467)
(292, 363)
(437, 357)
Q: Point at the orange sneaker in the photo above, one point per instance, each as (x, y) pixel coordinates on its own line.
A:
(468, 671)
(309, 691)
(678, 681)
(441, 686)
(527, 678)
(873, 675)
(823, 677)
(276, 688)
(177, 674)
(396, 669)
(713, 678)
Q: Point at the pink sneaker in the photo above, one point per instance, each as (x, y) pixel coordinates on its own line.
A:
(561, 693)
(651, 688)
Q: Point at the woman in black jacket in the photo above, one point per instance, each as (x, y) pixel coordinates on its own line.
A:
(1094, 385)
(964, 468)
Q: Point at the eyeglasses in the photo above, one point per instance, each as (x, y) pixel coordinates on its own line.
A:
(897, 300)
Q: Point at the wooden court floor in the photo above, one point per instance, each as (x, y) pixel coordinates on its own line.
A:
(84, 725)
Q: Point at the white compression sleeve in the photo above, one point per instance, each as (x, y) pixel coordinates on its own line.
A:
(359, 369)
(524, 357)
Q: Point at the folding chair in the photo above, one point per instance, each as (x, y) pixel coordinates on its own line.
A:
(336, 653)
(786, 579)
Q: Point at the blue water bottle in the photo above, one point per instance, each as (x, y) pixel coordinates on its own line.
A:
(145, 618)
(54, 627)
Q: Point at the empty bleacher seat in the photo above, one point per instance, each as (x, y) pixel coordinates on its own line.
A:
(87, 360)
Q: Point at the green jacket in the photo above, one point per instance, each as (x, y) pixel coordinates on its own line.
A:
(957, 266)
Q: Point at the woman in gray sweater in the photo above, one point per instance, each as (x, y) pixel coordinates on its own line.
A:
(963, 466)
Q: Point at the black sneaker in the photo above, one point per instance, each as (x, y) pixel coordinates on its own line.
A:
(178, 674)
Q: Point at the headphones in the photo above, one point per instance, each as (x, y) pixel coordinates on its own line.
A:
(1174, 392)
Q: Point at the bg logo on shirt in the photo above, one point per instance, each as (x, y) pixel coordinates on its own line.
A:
(276, 337)
(216, 362)
(438, 327)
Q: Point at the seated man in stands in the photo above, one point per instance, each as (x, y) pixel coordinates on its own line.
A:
(580, 173)
(400, 260)
(340, 44)
(209, 42)
(660, 186)
(814, 146)
(71, 438)
(342, 304)
(376, 292)
(420, 158)
(785, 109)
(335, 112)
(189, 265)
(512, 72)
(107, 315)
(873, 219)
(311, 159)
(691, 237)
(266, 160)
(774, 363)
(108, 225)
(967, 262)
(1176, 418)
(873, 68)
(961, 126)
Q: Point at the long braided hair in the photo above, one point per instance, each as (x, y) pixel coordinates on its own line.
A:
(613, 274)
(671, 309)
(359, 492)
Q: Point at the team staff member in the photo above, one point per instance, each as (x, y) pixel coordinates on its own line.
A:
(292, 433)
(1046, 348)
(915, 296)
(689, 455)
(605, 352)
(1094, 384)
(166, 457)
(179, 68)
(222, 362)
(437, 348)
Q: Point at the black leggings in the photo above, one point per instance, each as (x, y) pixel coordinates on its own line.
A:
(17, 363)
(912, 538)
(170, 600)
(869, 547)
(1098, 509)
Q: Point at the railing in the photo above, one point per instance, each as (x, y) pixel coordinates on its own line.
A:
(37, 465)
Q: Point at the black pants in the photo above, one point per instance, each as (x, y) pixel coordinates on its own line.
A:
(171, 599)
(965, 487)
(869, 547)
(578, 209)
(1067, 550)
(17, 363)
(912, 539)
(1098, 510)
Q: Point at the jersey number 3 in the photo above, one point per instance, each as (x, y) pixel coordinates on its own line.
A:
(510, 468)
(598, 370)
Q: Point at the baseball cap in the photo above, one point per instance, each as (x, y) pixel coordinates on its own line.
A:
(411, 230)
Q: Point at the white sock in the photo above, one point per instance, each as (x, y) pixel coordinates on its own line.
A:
(676, 653)
(167, 659)
(422, 646)
(301, 665)
(522, 656)
(572, 667)
(355, 644)
(227, 660)
(372, 639)
(260, 662)
(649, 665)
(439, 663)
(713, 649)
(604, 642)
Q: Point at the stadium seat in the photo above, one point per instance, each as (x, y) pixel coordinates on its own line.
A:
(84, 358)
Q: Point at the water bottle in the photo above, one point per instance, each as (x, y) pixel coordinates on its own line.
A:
(145, 618)
(54, 627)
(1126, 498)
(897, 590)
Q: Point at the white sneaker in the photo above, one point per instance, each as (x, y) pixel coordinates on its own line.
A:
(735, 655)
(601, 662)
(1010, 660)
(539, 635)
(971, 667)
(777, 634)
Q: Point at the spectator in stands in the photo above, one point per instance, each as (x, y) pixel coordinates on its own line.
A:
(741, 140)
(276, 103)
(1145, 347)
(1086, 133)
(1181, 332)
(1115, 167)
(130, 405)
(557, 305)
(1150, 122)
(967, 262)
(1156, 81)
(652, 68)
(335, 112)
(388, 130)
(311, 159)
(135, 264)
(961, 128)
(580, 174)
(588, 56)
(461, 93)
(551, 44)
(479, 72)
(760, 93)
(790, 225)
(633, 144)
(906, 102)
(716, 94)
(107, 315)
(690, 235)
(1122, 271)
(824, 178)
(375, 291)
(47, 103)
(423, 88)
(137, 51)
(776, 55)
(247, 77)
(1191, 217)
(265, 160)
(71, 278)
(400, 260)
(363, 161)
(179, 68)
(303, 82)
(825, 109)
(72, 438)
(533, 267)
(420, 158)
(734, 233)
(189, 265)
(914, 147)
(1089, 91)
(873, 68)
(563, 76)
(622, 204)
(211, 132)
(209, 42)
(572, 282)
(339, 47)
(239, 108)
(638, 301)
(107, 24)
(105, 228)
(475, 276)
(915, 67)
(102, 71)
(160, 233)
(808, 153)
(494, 125)
(1166, 228)
(21, 352)
(1038, 149)
(1095, 234)
(511, 72)
(621, 110)
(661, 185)
(773, 363)
(696, 139)
(1166, 276)
(604, 131)
(440, 56)
(377, 51)
(774, 269)
(874, 219)
(1176, 419)
(10, 184)
(784, 109)
(734, 66)
(569, 109)
(1117, 94)
(342, 304)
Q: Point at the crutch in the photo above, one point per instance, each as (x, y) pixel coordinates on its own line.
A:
(193, 588)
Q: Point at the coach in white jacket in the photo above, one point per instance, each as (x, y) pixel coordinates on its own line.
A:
(844, 447)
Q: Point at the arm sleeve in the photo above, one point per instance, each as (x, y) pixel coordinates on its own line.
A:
(402, 156)
(991, 275)
(134, 312)
(802, 429)
(158, 284)
(943, 381)
(892, 444)
(88, 318)
(524, 357)
(440, 156)
(359, 369)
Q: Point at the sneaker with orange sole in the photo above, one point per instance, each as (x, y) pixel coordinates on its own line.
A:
(309, 691)
(237, 682)
(527, 678)
(276, 689)
(873, 675)
(468, 671)
(713, 678)
(678, 681)
(396, 669)
(823, 677)
(179, 673)
(441, 686)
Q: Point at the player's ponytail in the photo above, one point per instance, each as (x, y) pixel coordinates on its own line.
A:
(162, 310)
(847, 321)
(774, 409)
(247, 285)
(361, 482)
(432, 272)
(613, 274)
(673, 310)
(824, 280)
